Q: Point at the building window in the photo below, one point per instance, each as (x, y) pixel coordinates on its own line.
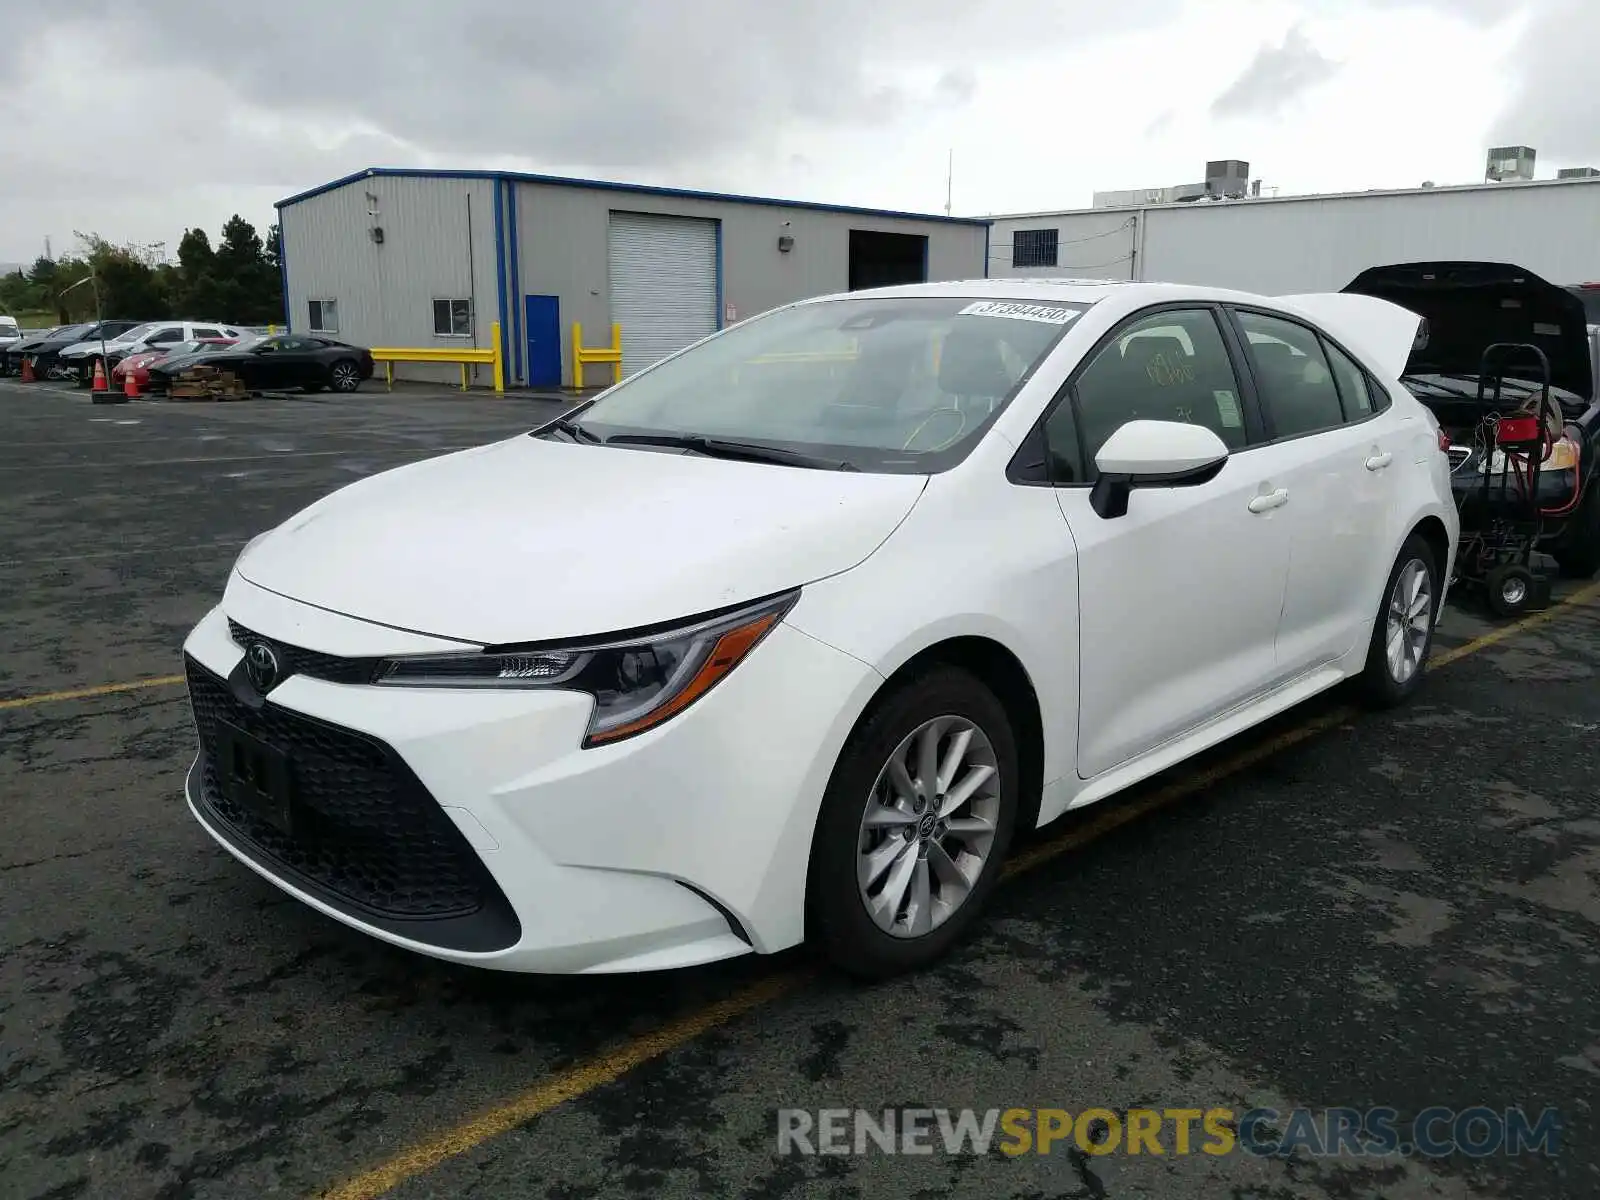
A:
(1034, 247)
(452, 318)
(324, 316)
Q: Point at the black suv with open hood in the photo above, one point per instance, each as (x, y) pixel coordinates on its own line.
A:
(1465, 308)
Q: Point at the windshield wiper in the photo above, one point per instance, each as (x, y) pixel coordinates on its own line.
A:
(723, 448)
(572, 429)
(1432, 382)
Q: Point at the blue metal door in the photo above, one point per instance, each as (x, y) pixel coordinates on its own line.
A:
(542, 320)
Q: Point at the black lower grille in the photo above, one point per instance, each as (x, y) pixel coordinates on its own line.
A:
(364, 835)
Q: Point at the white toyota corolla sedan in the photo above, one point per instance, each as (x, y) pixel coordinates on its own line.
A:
(784, 638)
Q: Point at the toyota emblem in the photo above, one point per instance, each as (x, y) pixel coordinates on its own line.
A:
(261, 666)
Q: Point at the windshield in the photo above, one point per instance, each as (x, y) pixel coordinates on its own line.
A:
(902, 385)
(137, 332)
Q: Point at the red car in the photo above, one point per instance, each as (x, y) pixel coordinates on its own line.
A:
(138, 365)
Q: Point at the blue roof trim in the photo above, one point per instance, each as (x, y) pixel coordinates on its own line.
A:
(635, 188)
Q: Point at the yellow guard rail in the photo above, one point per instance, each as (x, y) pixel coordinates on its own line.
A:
(583, 355)
(389, 355)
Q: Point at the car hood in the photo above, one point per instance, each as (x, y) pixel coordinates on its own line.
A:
(1468, 306)
(198, 358)
(532, 539)
(92, 347)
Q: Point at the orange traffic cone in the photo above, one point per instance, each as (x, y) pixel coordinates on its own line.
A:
(130, 385)
(27, 368)
(100, 384)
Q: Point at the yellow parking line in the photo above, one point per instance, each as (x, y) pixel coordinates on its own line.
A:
(567, 1085)
(103, 689)
(1576, 600)
(580, 1080)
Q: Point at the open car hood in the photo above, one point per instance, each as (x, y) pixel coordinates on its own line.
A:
(1468, 306)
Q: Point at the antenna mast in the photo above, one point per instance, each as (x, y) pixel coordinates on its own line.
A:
(949, 181)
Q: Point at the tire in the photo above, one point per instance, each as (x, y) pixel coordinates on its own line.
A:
(344, 376)
(1386, 684)
(1510, 590)
(1580, 558)
(839, 923)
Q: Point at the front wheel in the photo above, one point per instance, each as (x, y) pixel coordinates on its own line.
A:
(1403, 632)
(914, 826)
(344, 377)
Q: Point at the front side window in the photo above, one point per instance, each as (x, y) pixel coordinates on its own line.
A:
(1169, 366)
(165, 337)
(902, 385)
(1292, 375)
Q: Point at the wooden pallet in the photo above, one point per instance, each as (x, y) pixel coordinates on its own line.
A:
(207, 383)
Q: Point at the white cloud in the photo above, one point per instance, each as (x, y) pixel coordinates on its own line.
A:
(134, 121)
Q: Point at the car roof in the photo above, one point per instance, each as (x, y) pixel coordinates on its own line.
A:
(1066, 291)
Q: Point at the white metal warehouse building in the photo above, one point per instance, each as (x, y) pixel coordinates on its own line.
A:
(1284, 245)
(414, 258)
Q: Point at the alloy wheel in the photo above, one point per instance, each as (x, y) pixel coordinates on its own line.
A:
(929, 826)
(344, 378)
(1410, 619)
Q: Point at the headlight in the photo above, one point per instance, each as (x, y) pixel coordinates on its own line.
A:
(637, 683)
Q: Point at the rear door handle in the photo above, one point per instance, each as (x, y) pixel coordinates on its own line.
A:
(1271, 500)
(1379, 461)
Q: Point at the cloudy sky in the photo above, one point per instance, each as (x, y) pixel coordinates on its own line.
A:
(136, 119)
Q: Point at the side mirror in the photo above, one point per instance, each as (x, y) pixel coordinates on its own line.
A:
(1144, 454)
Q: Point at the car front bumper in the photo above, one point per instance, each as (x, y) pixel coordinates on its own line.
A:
(469, 825)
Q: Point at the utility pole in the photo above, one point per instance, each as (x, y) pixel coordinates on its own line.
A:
(949, 181)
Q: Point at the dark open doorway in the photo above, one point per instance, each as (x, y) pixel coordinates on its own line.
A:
(884, 259)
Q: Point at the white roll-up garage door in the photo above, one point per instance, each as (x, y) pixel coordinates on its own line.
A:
(663, 284)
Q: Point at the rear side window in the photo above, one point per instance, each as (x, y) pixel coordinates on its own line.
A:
(1293, 377)
(1352, 382)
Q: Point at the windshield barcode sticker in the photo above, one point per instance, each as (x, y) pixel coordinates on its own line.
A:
(1048, 314)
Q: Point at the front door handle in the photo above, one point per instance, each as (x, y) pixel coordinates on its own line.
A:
(1271, 500)
(1379, 461)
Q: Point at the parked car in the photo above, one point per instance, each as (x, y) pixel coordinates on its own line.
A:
(138, 363)
(857, 589)
(46, 352)
(1589, 295)
(10, 333)
(279, 362)
(150, 335)
(11, 356)
(1467, 307)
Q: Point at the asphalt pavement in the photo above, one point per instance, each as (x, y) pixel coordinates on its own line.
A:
(1341, 910)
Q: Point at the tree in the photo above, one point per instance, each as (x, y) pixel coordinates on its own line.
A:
(238, 281)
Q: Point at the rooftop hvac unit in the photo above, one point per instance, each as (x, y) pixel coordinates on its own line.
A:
(1508, 163)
